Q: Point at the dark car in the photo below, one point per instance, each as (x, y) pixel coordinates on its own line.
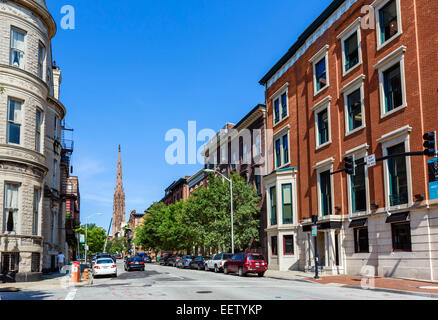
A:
(198, 263)
(173, 260)
(184, 262)
(145, 257)
(134, 263)
(163, 260)
(244, 263)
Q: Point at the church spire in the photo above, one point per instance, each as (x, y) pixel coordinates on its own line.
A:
(119, 199)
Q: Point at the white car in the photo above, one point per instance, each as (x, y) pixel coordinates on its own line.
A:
(105, 267)
(217, 262)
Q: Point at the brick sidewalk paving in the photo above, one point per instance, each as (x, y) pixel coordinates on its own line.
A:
(412, 286)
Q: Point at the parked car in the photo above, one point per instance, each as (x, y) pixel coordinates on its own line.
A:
(244, 263)
(184, 262)
(217, 262)
(134, 263)
(118, 256)
(198, 263)
(164, 259)
(173, 260)
(104, 266)
(145, 257)
(105, 255)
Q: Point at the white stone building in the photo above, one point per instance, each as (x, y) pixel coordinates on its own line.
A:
(32, 219)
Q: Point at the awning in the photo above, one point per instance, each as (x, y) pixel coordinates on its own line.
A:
(358, 223)
(398, 217)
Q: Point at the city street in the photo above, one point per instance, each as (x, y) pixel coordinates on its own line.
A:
(168, 283)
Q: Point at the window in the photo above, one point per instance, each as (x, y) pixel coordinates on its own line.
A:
(234, 162)
(52, 227)
(325, 193)
(36, 206)
(388, 21)
(274, 245)
(55, 165)
(351, 51)
(392, 87)
(223, 155)
(10, 262)
(258, 184)
(354, 110)
(322, 127)
(35, 262)
(38, 123)
(245, 154)
(358, 189)
(17, 48)
(41, 58)
(361, 244)
(321, 74)
(55, 128)
(287, 203)
(282, 150)
(280, 104)
(398, 183)
(273, 199)
(257, 146)
(401, 236)
(288, 242)
(14, 121)
(11, 210)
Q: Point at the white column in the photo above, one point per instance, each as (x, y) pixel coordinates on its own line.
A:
(331, 248)
(327, 249)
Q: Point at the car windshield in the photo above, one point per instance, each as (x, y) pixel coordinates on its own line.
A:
(103, 261)
(136, 259)
(256, 257)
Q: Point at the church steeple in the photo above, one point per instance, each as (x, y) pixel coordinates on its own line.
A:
(119, 199)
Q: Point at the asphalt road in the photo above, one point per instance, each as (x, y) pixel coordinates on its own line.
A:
(168, 283)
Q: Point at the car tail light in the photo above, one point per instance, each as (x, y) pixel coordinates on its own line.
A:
(96, 267)
(141, 262)
(131, 263)
(113, 266)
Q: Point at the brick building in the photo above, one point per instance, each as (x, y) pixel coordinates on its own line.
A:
(240, 148)
(349, 87)
(178, 190)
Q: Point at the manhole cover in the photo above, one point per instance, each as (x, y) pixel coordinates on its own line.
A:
(204, 292)
(430, 288)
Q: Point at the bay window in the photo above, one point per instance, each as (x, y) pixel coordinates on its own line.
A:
(11, 208)
(17, 49)
(287, 203)
(14, 121)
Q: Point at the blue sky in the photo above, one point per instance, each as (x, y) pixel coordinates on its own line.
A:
(132, 70)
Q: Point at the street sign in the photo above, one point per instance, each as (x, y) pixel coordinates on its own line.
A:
(314, 231)
(86, 247)
(371, 161)
(82, 238)
(433, 178)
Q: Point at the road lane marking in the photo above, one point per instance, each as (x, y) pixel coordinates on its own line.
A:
(72, 294)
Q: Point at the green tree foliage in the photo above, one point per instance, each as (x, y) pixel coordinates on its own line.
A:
(95, 238)
(204, 220)
(117, 245)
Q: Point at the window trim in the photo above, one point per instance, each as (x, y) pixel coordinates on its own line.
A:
(20, 123)
(19, 207)
(43, 62)
(379, 4)
(359, 155)
(291, 202)
(343, 36)
(274, 254)
(389, 140)
(321, 54)
(323, 166)
(393, 236)
(277, 95)
(280, 136)
(354, 85)
(356, 241)
(320, 106)
(25, 46)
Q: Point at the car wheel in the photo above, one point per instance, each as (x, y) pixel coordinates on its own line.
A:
(206, 268)
(115, 275)
(143, 269)
(199, 268)
(261, 274)
(216, 269)
(241, 274)
(226, 270)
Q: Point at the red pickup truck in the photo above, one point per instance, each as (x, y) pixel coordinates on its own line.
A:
(244, 263)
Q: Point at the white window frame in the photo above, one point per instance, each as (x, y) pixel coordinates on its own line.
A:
(41, 60)
(39, 130)
(13, 28)
(279, 136)
(17, 218)
(320, 106)
(321, 54)
(343, 36)
(397, 56)
(224, 153)
(20, 123)
(257, 143)
(356, 84)
(37, 213)
(325, 165)
(277, 95)
(379, 4)
(389, 140)
(359, 153)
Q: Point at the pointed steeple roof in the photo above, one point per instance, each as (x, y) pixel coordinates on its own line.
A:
(119, 181)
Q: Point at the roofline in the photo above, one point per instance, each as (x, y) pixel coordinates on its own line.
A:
(256, 108)
(302, 39)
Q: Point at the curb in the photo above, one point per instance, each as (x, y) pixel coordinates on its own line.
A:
(415, 293)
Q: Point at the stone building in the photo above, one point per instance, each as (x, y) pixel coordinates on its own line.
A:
(346, 88)
(33, 212)
(119, 201)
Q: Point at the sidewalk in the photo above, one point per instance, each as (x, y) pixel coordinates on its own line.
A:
(49, 282)
(393, 285)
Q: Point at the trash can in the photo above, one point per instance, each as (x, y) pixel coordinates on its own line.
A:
(75, 272)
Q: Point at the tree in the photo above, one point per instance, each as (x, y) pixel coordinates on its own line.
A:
(117, 245)
(96, 237)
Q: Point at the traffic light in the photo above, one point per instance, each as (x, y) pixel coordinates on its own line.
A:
(350, 165)
(430, 144)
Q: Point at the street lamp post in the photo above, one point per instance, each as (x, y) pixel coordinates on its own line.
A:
(231, 199)
(86, 233)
